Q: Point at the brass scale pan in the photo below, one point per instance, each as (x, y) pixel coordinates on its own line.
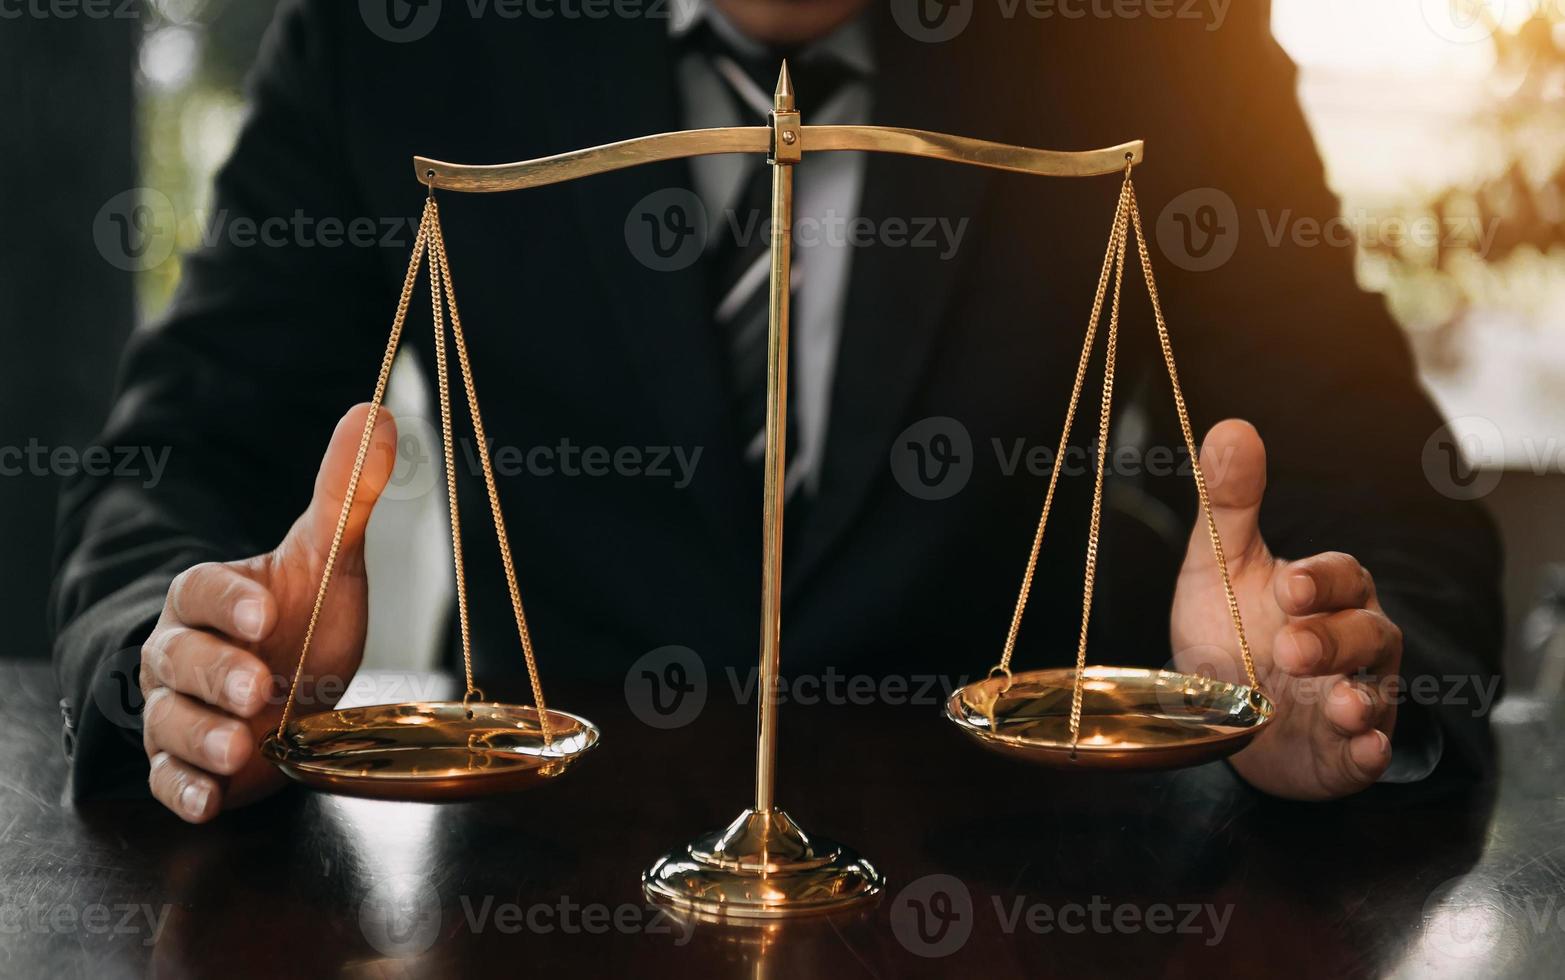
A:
(429, 750)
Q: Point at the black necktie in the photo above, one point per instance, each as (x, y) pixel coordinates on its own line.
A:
(739, 250)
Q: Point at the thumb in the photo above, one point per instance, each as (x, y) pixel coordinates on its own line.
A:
(1233, 461)
(315, 529)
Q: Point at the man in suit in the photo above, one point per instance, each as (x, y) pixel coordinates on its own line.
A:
(1358, 576)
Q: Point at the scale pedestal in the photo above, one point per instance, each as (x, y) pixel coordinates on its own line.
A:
(761, 866)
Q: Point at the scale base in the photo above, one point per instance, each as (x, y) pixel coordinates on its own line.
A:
(761, 867)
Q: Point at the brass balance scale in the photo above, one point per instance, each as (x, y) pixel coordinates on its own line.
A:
(763, 866)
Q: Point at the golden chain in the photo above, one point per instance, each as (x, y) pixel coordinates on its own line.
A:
(431, 240)
(1070, 420)
(1127, 210)
(1190, 446)
(443, 381)
(1105, 415)
(386, 360)
(440, 267)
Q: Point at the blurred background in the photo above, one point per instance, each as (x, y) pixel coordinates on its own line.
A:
(1442, 115)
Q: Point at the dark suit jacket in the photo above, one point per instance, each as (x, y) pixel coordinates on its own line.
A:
(575, 338)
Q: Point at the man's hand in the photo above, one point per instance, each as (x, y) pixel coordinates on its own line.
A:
(227, 628)
(1320, 641)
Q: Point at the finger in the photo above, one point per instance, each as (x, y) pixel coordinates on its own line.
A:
(1324, 583)
(319, 523)
(202, 665)
(189, 792)
(219, 597)
(1364, 758)
(195, 733)
(1233, 463)
(1337, 643)
(1350, 710)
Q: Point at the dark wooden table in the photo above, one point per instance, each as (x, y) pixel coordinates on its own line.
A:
(993, 870)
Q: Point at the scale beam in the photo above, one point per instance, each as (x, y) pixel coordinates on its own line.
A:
(758, 139)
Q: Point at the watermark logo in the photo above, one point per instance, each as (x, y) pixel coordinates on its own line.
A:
(666, 688)
(1463, 923)
(932, 459)
(135, 230)
(1199, 230)
(933, 916)
(1465, 21)
(1463, 458)
(417, 468)
(666, 230)
(400, 916)
(116, 690)
(932, 21)
(400, 21)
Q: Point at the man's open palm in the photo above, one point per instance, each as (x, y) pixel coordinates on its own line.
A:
(229, 628)
(1320, 641)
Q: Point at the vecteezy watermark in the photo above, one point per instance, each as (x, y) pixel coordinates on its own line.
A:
(666, 688)
(1018, 456)
(1463, 458)
(1104, 917)
(1477, 693)
(135, 230)
(833, 687)
(934, 458)
(1199, 230)
(1466, 457)
(935, 21)
(402, 21)
(368, 687)
(140, 229)
(670, 228)
(669, 687)
(666, 230)
(141, 919)
(566, 458)
(119, 462)
(117, 687)
(569, 917)
(401, 916)
(417, 469)
(70, 9)
(1469, 917)
(1474, 21)
(934, 917)
(1380, 231)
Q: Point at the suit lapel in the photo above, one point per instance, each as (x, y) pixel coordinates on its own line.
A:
(897, 296)
(658, 301)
